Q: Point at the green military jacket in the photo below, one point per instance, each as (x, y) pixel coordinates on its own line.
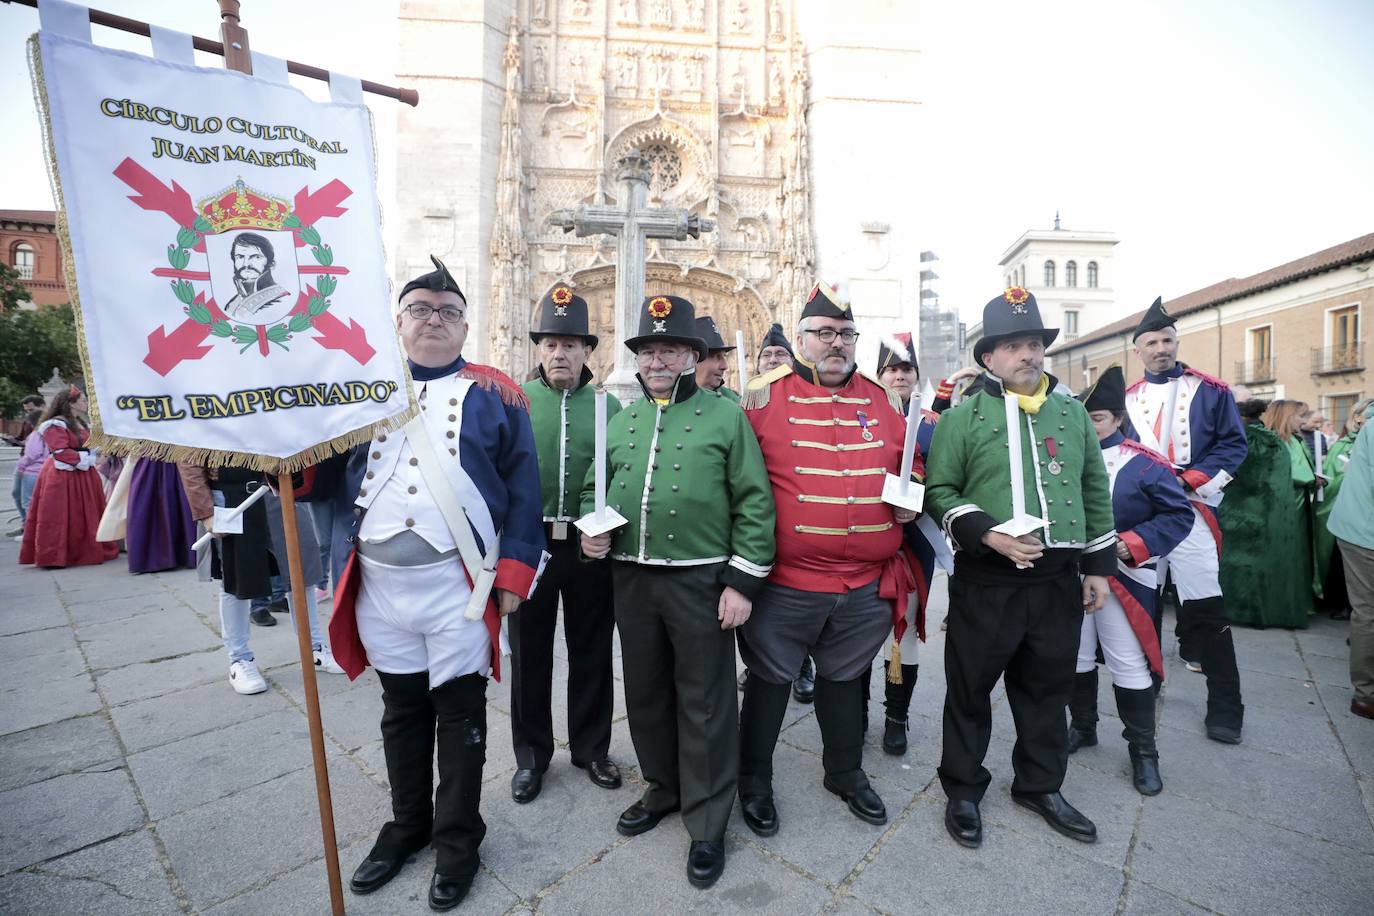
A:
(968, 488)
(728, 392)
(690, 479)
(564, 437)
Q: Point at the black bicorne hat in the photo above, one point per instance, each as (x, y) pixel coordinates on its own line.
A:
(439, 280)
(563, 313)
(896, 350)
(775, 338)
(668, 318)
(1015, 313)
(1108, 392)
(706, 330)
(1154, 319)
(824, 302)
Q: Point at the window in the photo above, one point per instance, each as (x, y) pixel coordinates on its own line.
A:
(1089, 376)
(1262, 343)
(1092, 275)
(1344, 329)
(1071, 273)
(1337, 410)
(23, 260)
(1070, 323)
(1049, 274)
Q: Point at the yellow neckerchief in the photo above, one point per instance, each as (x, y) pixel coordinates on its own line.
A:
(1031, 403)
(661, 402)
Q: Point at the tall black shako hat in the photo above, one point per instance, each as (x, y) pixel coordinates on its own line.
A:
(563, 313)
(1015, 313)
(824, 302)
(776, 338)
(1107, 393)
(439, 280)
(1154, 319)
(669, 318)
(895, 350)
(706, 330)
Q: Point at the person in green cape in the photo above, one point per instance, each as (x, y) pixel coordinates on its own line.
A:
(1257, 568)
(1328, 575)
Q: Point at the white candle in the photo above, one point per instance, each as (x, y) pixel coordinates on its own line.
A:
(913, 423)
(600, 423)
(739, 355)
(1317, 443)
(1018, 473)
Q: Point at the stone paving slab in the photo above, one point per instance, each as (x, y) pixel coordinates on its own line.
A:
(133, 780)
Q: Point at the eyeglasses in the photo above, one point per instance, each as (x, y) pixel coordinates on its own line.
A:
(447, 313)
(828, 335)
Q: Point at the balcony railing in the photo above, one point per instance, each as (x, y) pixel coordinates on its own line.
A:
(1341, 358)
(1254, 371)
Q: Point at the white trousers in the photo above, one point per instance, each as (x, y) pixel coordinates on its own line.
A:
(1195, 564)
(911, 642)
(1120, 648)
(410, 619)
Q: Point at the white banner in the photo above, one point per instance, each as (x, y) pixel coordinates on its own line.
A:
(226, 242)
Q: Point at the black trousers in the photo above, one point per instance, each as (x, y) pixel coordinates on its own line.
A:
(1030, 634)
(680, 690)
(588, 625)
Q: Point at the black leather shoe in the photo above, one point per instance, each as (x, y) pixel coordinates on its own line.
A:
(262, 617)
(760, 814)
(863, 803)
(804, 685)
(376, 872)
(894, 736)
(525, 785)
(638, 819)
(603, 772)
(1226, 734)
(1059, 814)
(447, 891)
(705, 862)
(1081, 738)
(964, 823)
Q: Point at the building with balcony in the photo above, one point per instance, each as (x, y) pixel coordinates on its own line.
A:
(1293, 331)
(28, 243)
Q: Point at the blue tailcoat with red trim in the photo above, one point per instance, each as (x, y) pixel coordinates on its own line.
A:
(1212, 429)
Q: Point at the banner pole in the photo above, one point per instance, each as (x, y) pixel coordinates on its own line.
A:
(238, 57)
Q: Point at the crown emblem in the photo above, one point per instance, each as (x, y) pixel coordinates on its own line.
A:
(241, 207)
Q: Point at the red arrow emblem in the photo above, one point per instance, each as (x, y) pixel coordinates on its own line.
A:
(165, 350)
(154, 195)
(309, 208)
(351, 338)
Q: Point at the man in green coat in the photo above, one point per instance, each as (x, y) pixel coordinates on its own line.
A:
(711, 369)
(686, 471)
(562, 406)
(1016, 601)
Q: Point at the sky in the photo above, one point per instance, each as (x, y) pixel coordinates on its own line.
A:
(1214, 138)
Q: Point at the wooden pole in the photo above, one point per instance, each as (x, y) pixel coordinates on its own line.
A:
(238, 57)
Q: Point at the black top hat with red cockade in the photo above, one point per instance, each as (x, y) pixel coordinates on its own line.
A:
(1015, 313)
(667, 318)
(563, 313)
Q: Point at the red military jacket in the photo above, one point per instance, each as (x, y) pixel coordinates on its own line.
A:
(827, 456)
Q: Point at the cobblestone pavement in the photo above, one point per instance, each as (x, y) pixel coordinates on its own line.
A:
(134, 780)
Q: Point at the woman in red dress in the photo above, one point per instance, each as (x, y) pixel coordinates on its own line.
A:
(68, 499)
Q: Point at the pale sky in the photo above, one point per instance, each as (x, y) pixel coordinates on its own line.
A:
(1214, 138)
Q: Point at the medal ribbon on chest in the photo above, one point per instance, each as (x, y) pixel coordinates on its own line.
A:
(1052, 447)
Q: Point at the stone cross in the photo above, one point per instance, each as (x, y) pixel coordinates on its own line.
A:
(633, 223)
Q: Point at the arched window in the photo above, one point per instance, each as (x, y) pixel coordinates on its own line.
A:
(1049, 273)
(1092, 275)
(24, 260)
(1071, 273)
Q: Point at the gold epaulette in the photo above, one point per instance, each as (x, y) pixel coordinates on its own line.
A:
(893, 397)
(757, 391)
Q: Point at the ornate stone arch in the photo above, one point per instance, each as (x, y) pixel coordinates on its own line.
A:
(674, 151)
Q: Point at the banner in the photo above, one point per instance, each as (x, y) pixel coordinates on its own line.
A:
(225, 259)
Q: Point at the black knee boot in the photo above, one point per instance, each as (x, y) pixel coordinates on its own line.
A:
(1225, 711)
(461, 708)
(867, 680)
(408, 743)
(1083, 711)
(897, 704)
(1137, 711)
(839, 705)
(760, 721)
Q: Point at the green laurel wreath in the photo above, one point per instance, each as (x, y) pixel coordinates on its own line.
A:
(179, 255)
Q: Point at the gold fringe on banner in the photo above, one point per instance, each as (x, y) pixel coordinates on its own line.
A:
(123, 446)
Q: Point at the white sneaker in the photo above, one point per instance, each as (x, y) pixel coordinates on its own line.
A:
(1195, 667)
(246, 679)
(324, 661)
(321, 594)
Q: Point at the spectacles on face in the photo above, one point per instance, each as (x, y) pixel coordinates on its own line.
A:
(449, 314)
(828, 335)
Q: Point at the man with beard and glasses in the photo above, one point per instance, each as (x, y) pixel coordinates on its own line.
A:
(684, 468)
(1016, 599)
(830, 435)
(255, 292)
